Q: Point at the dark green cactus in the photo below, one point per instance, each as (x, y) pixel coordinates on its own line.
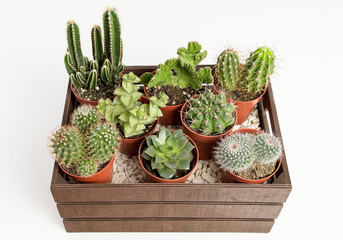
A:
(235, 152)
(267, 148)
(98, 53)
(168, 151)
(227, 69)
(84, 117)
(67, 145)
(87, 167)
(74, 45)
(210, 113)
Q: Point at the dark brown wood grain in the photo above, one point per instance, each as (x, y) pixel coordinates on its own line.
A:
(168, 225)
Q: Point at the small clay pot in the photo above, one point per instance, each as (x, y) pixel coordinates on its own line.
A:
(152, 178)
(228, 176)
(130, 146)
(243, 109)
(84, 101)
(105, 175)
(205, 143)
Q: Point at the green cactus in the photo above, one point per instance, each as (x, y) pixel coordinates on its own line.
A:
(107, 66)
(102, 140)
(126, 111)
(67, 145)
(84, 117)
(210, 113)
(257, 69)
(227, 69)
(267, 148)
(168, 151)
(87, 167)
(235, 152)
(184, 68)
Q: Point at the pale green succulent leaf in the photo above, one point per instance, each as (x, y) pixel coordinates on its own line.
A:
(171, 164)
(184, 164)
(166, 172)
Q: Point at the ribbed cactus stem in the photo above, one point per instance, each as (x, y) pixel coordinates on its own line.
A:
(112, 38)
(74, 44)
(97, 44)
(257, 70)
(227, 69)
(267, 148)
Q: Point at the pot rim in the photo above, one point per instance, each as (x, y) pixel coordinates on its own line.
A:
(170, 180)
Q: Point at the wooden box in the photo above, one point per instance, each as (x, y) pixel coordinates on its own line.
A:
(183, 207)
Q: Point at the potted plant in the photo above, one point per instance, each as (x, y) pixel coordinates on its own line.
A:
(85, 149)
(95, 79)
(206, 119)
(134, 119)
(244, 85)
(179, 79)
(168, 157)
(248, 156)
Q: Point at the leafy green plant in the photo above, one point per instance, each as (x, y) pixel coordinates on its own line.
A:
(181, 71)
(125, 110)
(107, 64)
(253, 76)
(210, 113)
(168, 151)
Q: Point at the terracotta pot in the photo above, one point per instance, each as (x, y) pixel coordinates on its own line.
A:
(228, 176)
(205, 143)
(84, 101)
(103, 176)
(243, 109)
(130, 146)
(152, 178)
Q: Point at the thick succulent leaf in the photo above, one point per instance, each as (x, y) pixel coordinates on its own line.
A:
(158, 142)
(146, 77)
(125, 117)
(120, 92)
(166, 172)
(178, 134)
(136, 96)
(112, 112)
(146, 156)
(164, 74)
(205, 75)
(127, 86)
(160, 158)
(172, 155)
(171, 163)
(180, 143)
(184, 154)
(171, 141)
(126, 100)
(133, 120)
(149, 141)
(155, 165)
(188, 147)
(184, 164)
(151, 151)
(164, 133)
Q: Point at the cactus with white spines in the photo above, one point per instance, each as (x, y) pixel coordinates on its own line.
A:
(85, 117)
(267, 148)
(210, 113)
(107, 65)
(87, 167)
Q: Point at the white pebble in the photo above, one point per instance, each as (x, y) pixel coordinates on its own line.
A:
(208, 177)
(132, 179)
(197, 180)
(214, 167)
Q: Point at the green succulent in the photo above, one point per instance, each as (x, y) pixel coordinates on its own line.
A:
(168, 151)
(127, 112)
(181, 71)
(210, 113)
(84, 117)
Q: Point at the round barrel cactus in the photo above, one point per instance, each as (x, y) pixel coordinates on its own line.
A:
(87, 167)
(267, 148)
(210, 113)
(84, 117)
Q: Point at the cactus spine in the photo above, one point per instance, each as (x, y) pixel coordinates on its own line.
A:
(85, 117)
(267, 148)
(87, 167)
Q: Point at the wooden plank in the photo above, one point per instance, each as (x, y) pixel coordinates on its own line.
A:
(217, 192)
(168, 225)
(169, 210)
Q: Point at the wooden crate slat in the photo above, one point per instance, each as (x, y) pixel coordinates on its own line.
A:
(168, 225)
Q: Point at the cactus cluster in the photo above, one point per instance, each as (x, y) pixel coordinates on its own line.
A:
(181, 71)
(85, 117)
(241, 150)
(126, 111)
(84, 149)
(253, 76)
(168, 151)
(209, 113)
(106, 66)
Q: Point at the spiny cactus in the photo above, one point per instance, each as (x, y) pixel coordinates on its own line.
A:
(257, 69)
(168, 151)
(125, 110)
(235, 152)
(87, 167)
(267, 148)
(227, 69)
(84, 117)
(184, 68)
(67, 145)
(107, 64)
(210, 113)
(102, 140)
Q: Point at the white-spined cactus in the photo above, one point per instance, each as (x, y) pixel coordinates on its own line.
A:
(84, 117)
(267, 148)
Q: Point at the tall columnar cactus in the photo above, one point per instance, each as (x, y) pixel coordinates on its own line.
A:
(257, 69)
(84, 117)
(168, 151)
(210, 113)
(235, 152)
(126, 111)
(102, 140)
(181, 71)
(67, 145)
(267, 148)
(227, 69)
(106, 67)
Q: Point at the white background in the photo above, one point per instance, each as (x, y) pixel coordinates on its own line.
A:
(307, 37)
